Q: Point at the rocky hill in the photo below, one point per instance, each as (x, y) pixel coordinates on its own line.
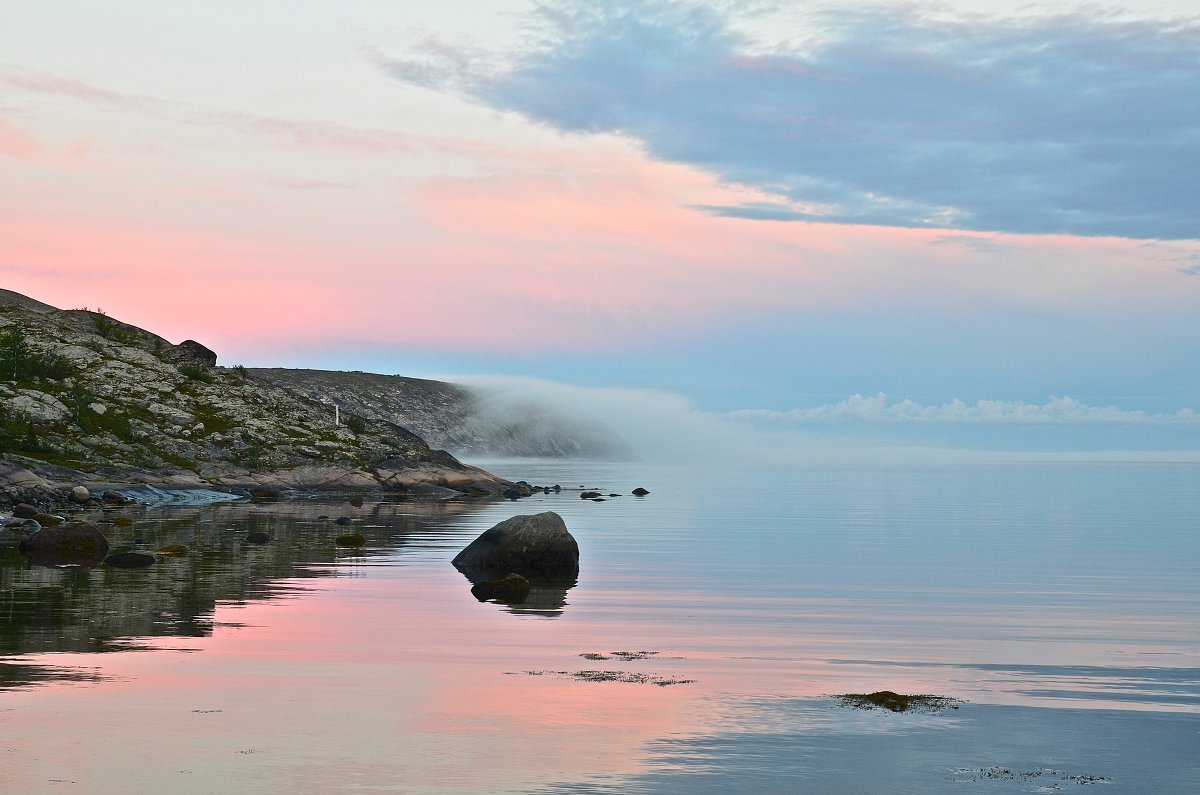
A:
(469, 422)
(87, 399)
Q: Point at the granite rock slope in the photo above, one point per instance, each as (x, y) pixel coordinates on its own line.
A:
(85, 398)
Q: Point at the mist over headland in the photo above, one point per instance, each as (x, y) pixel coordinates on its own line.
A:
(661, 426)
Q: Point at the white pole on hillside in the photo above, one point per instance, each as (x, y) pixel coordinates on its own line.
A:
(337, 416)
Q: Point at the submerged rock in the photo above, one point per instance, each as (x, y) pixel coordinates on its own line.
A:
(257, 537)
(513, 588)
(172, 551)
(897, 702)
(78, 544)
(530, 545)
(355, 539)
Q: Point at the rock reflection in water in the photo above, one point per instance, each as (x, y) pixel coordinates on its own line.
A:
(547, 596)
(101, 609)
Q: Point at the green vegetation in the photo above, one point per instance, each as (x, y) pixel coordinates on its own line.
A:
(195, 372)
(21, 365)
(356, 424)
(112, 329)
(214, 421)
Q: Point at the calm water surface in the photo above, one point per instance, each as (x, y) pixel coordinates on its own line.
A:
(1059, 601)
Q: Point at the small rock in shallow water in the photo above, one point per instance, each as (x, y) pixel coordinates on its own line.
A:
(350, 540)
(589, 495)
(257, 537)
(130, 560)
(78, 544)
(343, 521)
(356, 502)
(48, 519)
(80, 494)
(640, 492)
(172, 551)
(24, 510)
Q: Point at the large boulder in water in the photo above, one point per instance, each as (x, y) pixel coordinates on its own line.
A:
(75, 544)
(537, 545)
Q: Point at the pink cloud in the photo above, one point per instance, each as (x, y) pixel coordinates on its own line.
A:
(16, 143)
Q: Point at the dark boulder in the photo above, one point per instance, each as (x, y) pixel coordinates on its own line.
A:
(130, 560)
(48, 519)
(24, 510)
(512, 494)
(344, 521)
(640, 492)
(257, 537)
(511, 589)
(589, 495)
(77, 544)
(192, 352)
(530, 545)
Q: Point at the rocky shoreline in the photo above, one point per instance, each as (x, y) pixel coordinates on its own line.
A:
(87, 400)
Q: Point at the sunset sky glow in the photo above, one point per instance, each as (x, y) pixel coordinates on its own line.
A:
(754, 206)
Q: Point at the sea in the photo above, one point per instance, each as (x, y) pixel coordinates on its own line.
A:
(709, 644)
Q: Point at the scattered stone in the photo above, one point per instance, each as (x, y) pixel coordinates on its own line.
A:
(350, 540)
(257, 537)
(557, 488)
(80, 494)
(589, 495)
(48, 519)
(511, 589)
(344, 521)
(356, 502)
(130, 560)
(640, 492)
(897, 702)
(98, 408)
(512, 494)
(531, 545)
(78, 544)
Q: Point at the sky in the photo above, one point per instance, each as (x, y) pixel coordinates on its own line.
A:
(948, 223)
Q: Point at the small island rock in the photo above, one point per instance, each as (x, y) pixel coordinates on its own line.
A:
(530, 545)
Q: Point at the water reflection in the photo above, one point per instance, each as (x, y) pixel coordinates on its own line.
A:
(547, 596)
(102, 609)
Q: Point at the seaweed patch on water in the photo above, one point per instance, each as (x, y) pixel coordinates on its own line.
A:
(623, 656)
(897, 702)
(1004, 774)
(627, 677)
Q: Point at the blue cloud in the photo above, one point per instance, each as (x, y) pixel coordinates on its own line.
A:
(1074, 123)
